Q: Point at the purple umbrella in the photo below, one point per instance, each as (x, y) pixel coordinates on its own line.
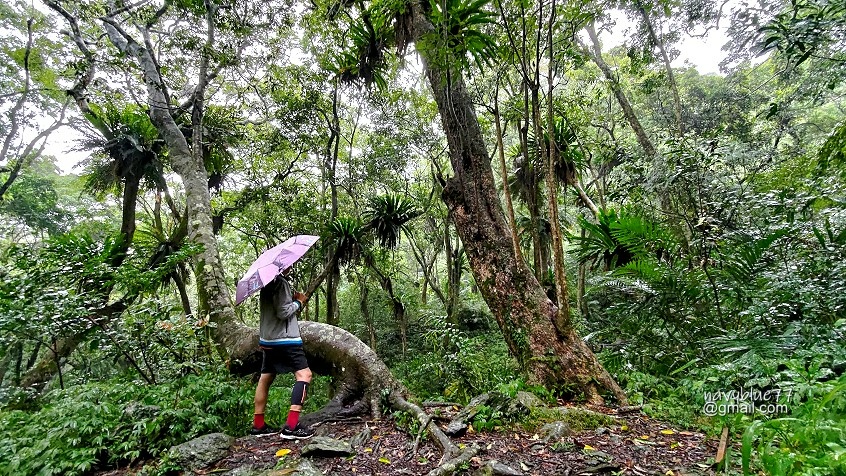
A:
(271, 263)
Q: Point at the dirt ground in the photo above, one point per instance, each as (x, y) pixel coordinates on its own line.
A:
(634, 445)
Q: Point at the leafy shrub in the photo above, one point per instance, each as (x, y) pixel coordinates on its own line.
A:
(91, 426)
(808, 442)
(456, 366)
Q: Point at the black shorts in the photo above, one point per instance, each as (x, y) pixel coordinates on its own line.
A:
(283, 359)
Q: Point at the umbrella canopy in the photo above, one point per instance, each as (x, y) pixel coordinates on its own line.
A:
(271, 263)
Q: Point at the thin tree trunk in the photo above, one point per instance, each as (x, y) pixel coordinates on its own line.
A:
(531, 185)
(562, 321)
(580, 292)
(625, 105)
(183, 294)
(396, 304)
(541, 154)
(628, 112)
(677, 108)
(332, 280)
(509, 206)
(364, 304)
(333, 149)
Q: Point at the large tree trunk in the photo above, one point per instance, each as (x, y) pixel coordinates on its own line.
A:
(556, 358)
(211, 283)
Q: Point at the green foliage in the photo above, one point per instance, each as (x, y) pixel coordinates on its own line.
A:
(388, 216)
(454, 365)
(808, 442)
(459, 32)
(35, 202)
(86, 427)
(833, 152)
(364, 60)
(488, 418)
(348, 235)
(807, 28)
(129, 146)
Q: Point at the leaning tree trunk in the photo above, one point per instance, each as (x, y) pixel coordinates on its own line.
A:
(211, 282)
(556, 358)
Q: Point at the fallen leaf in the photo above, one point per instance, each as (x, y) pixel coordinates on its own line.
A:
(624, 428)
(535, 437)
(644, 437)
(376, 437)
(669, 473)
(368, 450)
(667, 432)
(384, 460)
(675, 444)
(589, 448)
(282, 452)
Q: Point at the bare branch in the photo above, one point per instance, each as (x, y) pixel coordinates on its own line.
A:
(13, 113)
(26, 156)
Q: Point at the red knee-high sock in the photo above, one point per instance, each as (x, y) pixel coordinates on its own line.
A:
(293, 419)
(258, 420)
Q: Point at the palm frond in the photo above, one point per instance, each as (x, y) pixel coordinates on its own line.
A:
(348, 235)
(388, 216)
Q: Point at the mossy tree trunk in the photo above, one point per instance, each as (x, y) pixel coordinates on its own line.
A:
(555, 357)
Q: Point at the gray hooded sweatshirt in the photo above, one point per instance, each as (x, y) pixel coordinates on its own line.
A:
(279, 310)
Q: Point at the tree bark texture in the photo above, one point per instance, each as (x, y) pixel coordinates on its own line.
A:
(211, 281)
(556, 358)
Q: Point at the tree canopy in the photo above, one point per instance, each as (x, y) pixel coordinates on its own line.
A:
(501, 194)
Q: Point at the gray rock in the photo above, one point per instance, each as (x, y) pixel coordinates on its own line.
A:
(307, 468)
(251, 470)
(555, 431)
(495, 468)
(523, 403)
(202, 451)
(458, 426)
(300, 467)
(602, 430)
(323, 446)
(361, 438)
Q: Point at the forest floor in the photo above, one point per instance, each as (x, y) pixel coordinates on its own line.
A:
(634, 445)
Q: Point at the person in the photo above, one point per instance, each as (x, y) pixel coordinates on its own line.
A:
(279, 339)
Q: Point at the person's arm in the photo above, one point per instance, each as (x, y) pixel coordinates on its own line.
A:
(286, 305)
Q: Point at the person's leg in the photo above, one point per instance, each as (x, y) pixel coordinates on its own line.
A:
(260, 401)
(298, 396)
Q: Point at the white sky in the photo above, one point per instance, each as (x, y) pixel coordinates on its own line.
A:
(704, 53)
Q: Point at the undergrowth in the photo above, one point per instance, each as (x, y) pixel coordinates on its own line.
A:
(98, 425)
